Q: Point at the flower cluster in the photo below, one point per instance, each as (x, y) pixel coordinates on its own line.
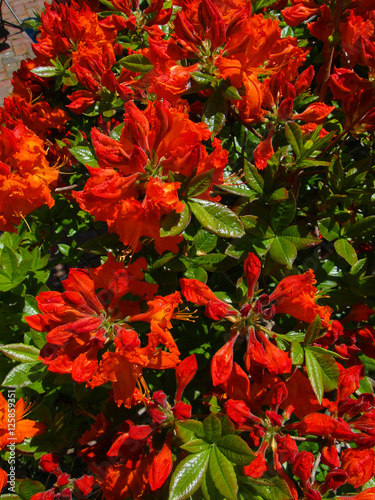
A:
(198, 175)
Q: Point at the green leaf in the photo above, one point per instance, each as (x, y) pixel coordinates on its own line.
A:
(217, 218)
(137, 63)
(223, 475)
(84, 155)
(45, 71)
(200, 183)
(260, 4)
(196, 273)
(297, 353)
(278, 195)
(257, 227)
(253, 178)
(188, 475)
(195, 446)
(283, 251)
(23, 375)
(328, 368)
(313, 331)
(215, 112)
(362, 228)
(64, 249)
(235, 449)
(208, 488)
(300, 237)
(275, 488)
(6, 282)
(210, 262)
(189, 430)
(283, 213)
(231, 93)
(293, 135)
(321, 350)
(346, 251)
(329, 228)
(173, 224)
(204, 241)
(27, 488)
(236, 185)
(315, 374)
(202, 78)
(20, 352)
(9, 261)
(226, 426)
(212, 428)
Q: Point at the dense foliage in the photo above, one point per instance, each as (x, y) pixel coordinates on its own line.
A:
(186, 258)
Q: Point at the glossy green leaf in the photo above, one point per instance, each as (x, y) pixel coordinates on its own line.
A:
(196, 273)
(188, 475)
(346, 251)
(212, 428)
(235, 449)
(257, 227)
(278, 195)
(204, 241)
(84, 155)
(6, 282)
(195, 446)
(202, 78)
(208, 488)
(253, 178)
(21, 352)
(27, 488)
(189, 430)
(321, 350)
(329, 228)
(136, 62)
(238, 186)
(329, 369)
(174, 223)
(215, 112)
(217, 218)
(211, 262)
(45, 71)
(313, 331)
(231, 93)
(362, 228)
(31, 306)
(223, 475)
(226, 426)
(300, 236)
(283, 251)
(297, 353)
(9, 261)
(200, 183)
(274, 488)
(24, 374)
(282, 214)
(315, 374)
(293, 135)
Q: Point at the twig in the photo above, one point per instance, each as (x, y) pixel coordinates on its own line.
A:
(66, 188)
(315, 468)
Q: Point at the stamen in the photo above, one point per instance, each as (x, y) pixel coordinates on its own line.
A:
(185, 315)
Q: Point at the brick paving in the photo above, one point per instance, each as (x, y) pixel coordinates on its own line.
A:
(18, 46)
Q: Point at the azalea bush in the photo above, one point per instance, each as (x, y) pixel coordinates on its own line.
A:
(186, 254)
